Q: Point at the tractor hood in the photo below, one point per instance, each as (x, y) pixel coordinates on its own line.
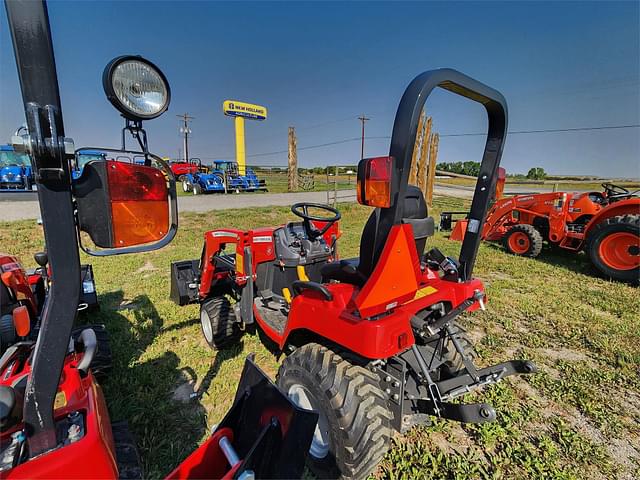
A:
(12, 173)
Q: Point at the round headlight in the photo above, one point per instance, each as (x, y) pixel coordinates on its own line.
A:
(136, 87)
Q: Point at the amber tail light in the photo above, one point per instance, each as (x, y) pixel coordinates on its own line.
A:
(374, 187)
(124, 204)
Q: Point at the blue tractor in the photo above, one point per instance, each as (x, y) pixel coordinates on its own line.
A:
(15, 170)
(82, 158)
(249, 182)
(202, 180)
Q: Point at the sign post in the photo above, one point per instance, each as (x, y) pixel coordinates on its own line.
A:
(240, 111)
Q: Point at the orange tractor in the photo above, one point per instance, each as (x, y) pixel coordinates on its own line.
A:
(606, 225)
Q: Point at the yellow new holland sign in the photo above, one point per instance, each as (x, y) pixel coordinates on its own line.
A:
(234, 108)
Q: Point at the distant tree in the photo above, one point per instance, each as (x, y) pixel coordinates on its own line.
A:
(536, 173)
(461, 168)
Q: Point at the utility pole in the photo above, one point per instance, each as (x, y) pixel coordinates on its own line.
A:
(292, 170)
(186, 131)
(363, 119)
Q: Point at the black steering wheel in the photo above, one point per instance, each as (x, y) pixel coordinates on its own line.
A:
(302, 210)
(615, 191)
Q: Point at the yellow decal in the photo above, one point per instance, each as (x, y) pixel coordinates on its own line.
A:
(239, 263)
(302, 275)
(60, 401)
(234, 108)
(286, 294)
(423, 292)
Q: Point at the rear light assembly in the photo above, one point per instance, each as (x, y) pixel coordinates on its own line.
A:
(121, 205)
(375, 177)
(139, 206)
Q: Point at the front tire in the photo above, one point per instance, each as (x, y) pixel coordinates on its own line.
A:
(354, 429)
(197, 189)
(218, 322)
(523, 240)
(186, 186)
(614, 248)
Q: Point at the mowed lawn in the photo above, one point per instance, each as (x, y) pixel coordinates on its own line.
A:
(579, 417)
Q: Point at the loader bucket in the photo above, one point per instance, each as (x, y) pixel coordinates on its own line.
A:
(458, 231)
(264, 435)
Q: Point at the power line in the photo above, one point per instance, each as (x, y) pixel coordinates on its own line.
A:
(550, 130)
(515, 132)
(363, 119)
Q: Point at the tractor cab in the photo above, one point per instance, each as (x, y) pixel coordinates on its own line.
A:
(16, 172)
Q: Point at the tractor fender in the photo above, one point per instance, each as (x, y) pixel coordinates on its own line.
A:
(623, 207)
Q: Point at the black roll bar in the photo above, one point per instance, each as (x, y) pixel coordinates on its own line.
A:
(29, 26)
(403, 139)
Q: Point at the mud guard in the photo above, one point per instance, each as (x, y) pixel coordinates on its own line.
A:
(267, 433)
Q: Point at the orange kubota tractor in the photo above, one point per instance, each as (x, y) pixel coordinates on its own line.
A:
(606, 225)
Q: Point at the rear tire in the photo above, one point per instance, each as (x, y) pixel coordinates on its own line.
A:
(197, 189)
(453, 364)
(7, 332)
(218, 322)
(127, 457)
(613, 246)
(186, 186)
(523, 240)
(353, 430)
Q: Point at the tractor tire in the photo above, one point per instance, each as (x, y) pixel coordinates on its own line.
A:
(218, 322)
(523, 240)
(353, 430)
(453, 364)
(186, 186)
(181, 178)
(127, 456)
(7, 332)
(197, 189)
(614, 248)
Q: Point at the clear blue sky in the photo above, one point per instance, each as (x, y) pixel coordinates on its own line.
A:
(317, 66)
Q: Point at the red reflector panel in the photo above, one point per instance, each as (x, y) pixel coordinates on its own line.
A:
(131, 182)
(139, 203)
(376, 190)
(21, 321)
(135, 222)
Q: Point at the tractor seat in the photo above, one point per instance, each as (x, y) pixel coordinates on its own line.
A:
(356, 271)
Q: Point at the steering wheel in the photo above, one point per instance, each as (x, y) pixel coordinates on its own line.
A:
(302, 210)
(615, 191)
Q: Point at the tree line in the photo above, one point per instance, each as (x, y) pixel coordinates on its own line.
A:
(473, 169)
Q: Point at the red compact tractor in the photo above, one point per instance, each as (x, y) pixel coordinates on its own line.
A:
(54, 422)
(606, 225)
(23, 293)
(372, 343)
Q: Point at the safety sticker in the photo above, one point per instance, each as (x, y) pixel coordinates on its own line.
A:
(265, 239)
(423, 292)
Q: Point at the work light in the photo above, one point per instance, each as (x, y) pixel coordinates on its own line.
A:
(136, 87)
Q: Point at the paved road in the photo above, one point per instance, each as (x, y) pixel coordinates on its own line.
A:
(22, 206)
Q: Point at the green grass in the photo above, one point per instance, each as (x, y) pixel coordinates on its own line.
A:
(578, 418)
